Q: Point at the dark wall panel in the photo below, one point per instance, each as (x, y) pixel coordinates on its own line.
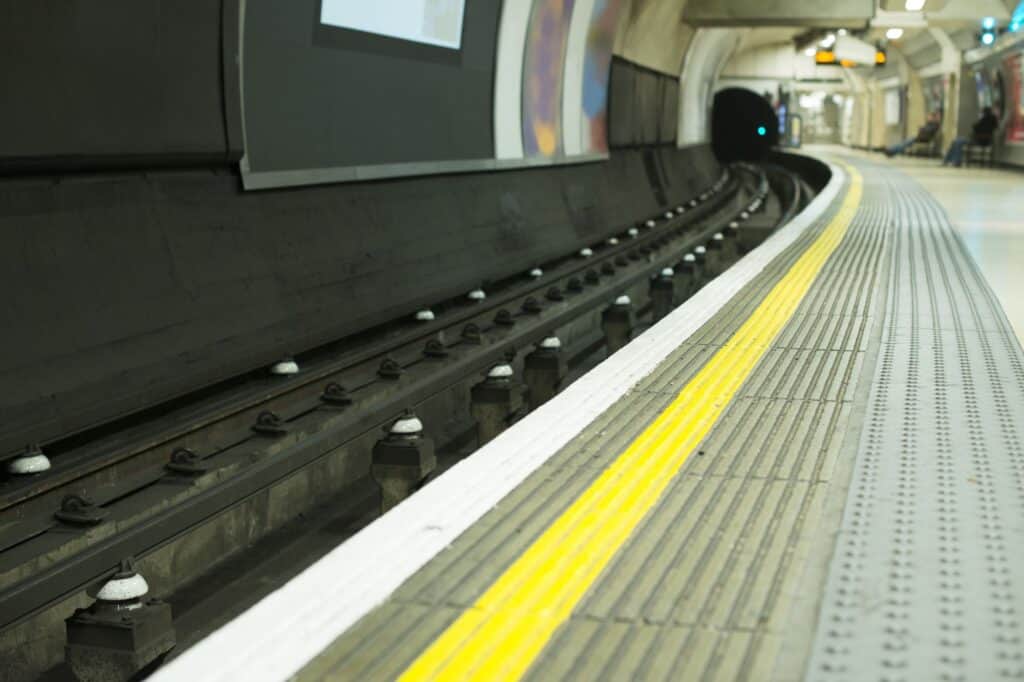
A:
(133, 289)
(669, 128)
(692, 180)
(644, 105)
(89, 83)
(321, 97)
(648, 103)
(621, 104)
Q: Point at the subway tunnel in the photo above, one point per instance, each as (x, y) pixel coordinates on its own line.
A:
(535, 339)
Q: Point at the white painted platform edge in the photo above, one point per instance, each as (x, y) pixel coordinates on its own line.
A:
(279, 635)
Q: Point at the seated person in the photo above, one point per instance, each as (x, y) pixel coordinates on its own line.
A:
(925, 134)
(981, 134)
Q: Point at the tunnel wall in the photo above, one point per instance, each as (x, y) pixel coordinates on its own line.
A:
(319, 98)
(1005, 69)
(120, 82)
(708, 53)
(644, 105)
(653, 34)
(944, 68)
(130, 289)
(142, 270)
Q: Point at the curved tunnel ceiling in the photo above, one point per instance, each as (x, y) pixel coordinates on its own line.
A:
(652, 33)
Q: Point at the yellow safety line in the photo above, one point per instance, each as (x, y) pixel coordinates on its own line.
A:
(501, 635)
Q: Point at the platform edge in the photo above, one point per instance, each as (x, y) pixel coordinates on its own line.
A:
(279, 635)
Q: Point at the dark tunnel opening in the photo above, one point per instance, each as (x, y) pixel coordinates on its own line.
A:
(744, 126)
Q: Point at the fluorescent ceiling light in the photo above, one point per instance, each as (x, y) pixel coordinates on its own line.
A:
(894, 33)
(829, 40)
(915, 5)
(843, 31)
(810, 52)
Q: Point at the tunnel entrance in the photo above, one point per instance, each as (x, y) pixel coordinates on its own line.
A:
(744, 126)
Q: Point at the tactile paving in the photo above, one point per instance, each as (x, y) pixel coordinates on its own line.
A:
(702, 584)
(898, 365)
(457, 576)
(927, 581)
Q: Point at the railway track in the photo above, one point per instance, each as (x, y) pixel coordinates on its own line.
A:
(153, 486)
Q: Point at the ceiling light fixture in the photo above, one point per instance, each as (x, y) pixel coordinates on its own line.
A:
(915, 5)
(894, 33)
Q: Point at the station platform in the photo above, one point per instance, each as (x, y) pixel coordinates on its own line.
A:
(813, 469)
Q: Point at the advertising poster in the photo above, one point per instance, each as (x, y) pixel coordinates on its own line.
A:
(434, 22)
(1015, 99)
(543, 67)
(596, 65)
(892, 107)
(984, 89)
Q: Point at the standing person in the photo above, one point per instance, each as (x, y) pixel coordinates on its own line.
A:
(925, 134)
(981, 134)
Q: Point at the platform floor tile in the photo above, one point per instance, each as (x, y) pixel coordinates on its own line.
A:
(881, 429)
(926, 582)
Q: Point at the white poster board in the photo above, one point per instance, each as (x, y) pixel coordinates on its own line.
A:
(892, 107)
(434, 22)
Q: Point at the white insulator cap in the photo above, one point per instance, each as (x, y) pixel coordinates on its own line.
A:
(680, 209)
(734, 225)
(123, 589)
(689, 258)
(744, 215)
(623, 300)
(633, 232)
(700, 250)
(669, 215)
(476, 295)
(285, 368)
(586, 252)
(718, 236)
(32, 462)
(425, 316)
(613, 241)
(704, 197)
(650, 223)
(407, 426)
(551, 343)
(503, 371)
(693, 202)
(536, 272)
(668, 272)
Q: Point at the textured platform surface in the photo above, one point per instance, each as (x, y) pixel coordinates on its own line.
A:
(701, 589)
(823, 480)
(927, 582)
